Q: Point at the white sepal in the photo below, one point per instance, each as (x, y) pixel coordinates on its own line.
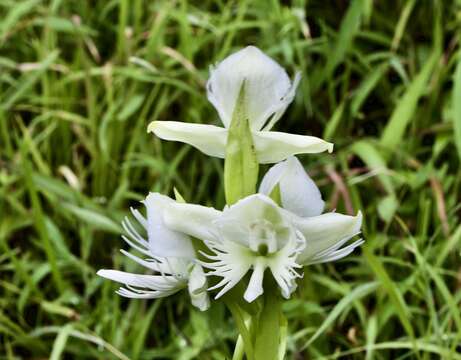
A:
(298, 192)
(163, 241)
(268, 87)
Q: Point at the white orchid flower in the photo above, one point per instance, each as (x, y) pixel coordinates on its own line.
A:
(268, 92)
(170, 255)
(256, 234)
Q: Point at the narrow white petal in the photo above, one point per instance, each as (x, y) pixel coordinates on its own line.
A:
(198, 288)
(324, 231)
(298, 192)
(163, 241)
(197, 280)
(194, 220)
(153, 282)
(272, 178)
(273, 146)
(172, 266)
(255, 286)
(338, 254)
(209, 139)
(266, 86)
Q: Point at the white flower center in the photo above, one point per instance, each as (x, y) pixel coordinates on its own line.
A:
(263, 237)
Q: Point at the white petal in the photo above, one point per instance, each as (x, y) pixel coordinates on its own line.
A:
(162, 240)
(191, 219)
(337, 254)
(298, 192)
(272, 178)
(267, 86)
(255, 286)
(231, 261)
(287, 99)
(159, 285)
(325, 231)
(237, 220)
(209, 139)
(273, 146)
(198, 288)
(168, 266)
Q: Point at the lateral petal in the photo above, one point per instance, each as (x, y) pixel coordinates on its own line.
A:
(274, 146)
(323, 232)
(159, 285)
(209, 139)
(191, 219)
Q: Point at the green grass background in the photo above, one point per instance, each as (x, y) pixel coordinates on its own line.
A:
(80, 81)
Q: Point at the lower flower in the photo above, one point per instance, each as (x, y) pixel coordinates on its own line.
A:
(169, 255)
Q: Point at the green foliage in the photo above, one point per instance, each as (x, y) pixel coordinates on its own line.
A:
(80, 81)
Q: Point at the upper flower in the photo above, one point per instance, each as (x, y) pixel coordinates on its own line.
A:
(170, 255)
(268, 92)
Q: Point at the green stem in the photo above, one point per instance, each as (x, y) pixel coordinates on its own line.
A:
(245, 335)
(239, 350)
(267, 342)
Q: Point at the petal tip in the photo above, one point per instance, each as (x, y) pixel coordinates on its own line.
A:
(152, 126)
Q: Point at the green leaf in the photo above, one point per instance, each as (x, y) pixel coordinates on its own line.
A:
(333, 123)
(366, 87)
(354, 295)
(406, 108)
(241, 165)
(370, 155)
(60, 343)
(392, 291)
(94, 219)
(348, 30)
(387, 207)
(456, 101)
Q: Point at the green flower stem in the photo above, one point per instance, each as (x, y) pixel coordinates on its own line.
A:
(241, 165)
(267, 340)
(239, 350)
(260, 331)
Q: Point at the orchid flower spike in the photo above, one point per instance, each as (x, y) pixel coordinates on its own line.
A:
(256, 234)
(268, 92)
(169, 254)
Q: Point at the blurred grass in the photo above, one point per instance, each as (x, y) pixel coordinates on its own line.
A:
(80, 81)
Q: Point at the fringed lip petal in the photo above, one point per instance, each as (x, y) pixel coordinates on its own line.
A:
(209, 139)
